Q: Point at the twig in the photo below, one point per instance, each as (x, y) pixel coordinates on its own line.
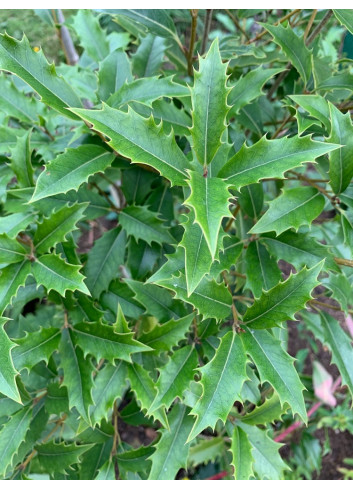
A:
(344, 262)
(280, 21)
(116, 439)
(310, 23)
(207, 29)
(319, 27)
(231, 219)
(194, 13)
(237, 25)
(66, 41)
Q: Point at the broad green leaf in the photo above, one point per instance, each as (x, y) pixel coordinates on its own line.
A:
(56, 400)
(341, 290)
(109, 385)
(8, 373)
(282, 301)
(175, 377)
(293, 47)
(271, 158)
(69, 170)
(120, 293)
(16, 103)
(251, 200)
(113, 72)
(146, 91)
(149, 55)
(91, 36)
(156, 21)
(57, 457)
(101, 341)
(167, 335)
(106, 472)
(222, 380)
(262, 272)
(15, 223)
(21, 161)
(11, 251)
(19, 58)
(129, 460)
(142, 223)
(209, 199)
(94, 458)
(54, 228)
(142, 258)
(209, 105)
(207, 450)
(172, 449)
(341, 161)
(249, 87)
(104, 259)
(12, 435)
(35, 347)
(11, 278)
(276, 367)
(77, 375)
(209, 298)
(345, 17)
(342, 81)
(293, 208)
(243, 460)
(232, 249)
(317, 107)
(172, 117)
(271, 410)
(56, 274)
(175, 262)
(139, 139)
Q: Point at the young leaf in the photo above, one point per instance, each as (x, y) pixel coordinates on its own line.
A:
(8, 373)
(19, 58)
(243, 460)
(113, 72)
(282, 301)
(222, 380)
(10, 250)
(55, 274)
(138, 138)
(209, 105)
(11, 278)
(293, 208)
(172, 449)
(70, 169)
(54, 457)
(276, 367)
(91, 35)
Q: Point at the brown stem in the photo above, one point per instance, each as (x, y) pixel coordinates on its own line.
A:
(194, 13)
(237, 25)
(116, 439)
(283, 19)
(319, 27)
(207, 29)
(65, 38)
(344, 262)
(313, 184)
(310, 23)
(231, 219)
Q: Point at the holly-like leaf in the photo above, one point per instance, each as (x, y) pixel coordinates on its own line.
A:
(138, 138)
(167, 335)
(149, 55)
(70, 169)
(104, 259)
(209, 199)
(345, 17)
(175, 377)
(130, 459)
(222, 380)
(106, 472)
(16, 103)
(21, 161)
(276, 367)
(271, 158)
(271, 410)
(317, 107)
(175, 262)
(293, 208)
(113, 72)
(54, 457)
(35, 347)
(15, 223)
(19, 58)
(91, 36)
(282, 301)
(11, 251)
(209, 105)
(243, 460)
(341, 161)
(54, 228)
(172, 449)
(156, 21)
(8, 373)
(262, 272)
(101, 341)
(11, 278)
(206, 450)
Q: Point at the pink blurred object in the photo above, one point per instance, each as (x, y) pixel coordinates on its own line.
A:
(323, 385)
(349, 323)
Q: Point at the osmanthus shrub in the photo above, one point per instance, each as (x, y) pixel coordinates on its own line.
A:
(159, 225)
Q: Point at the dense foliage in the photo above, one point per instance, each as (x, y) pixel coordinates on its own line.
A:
(162, 217)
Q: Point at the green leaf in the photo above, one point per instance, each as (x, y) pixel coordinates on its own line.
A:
(149, 55)
(57, 457)
(106, 472)
(21, 161)
(228, 257)
(56, 400)
(146, 90)
(101, 341)
(345, 17)
(209, 298)
(293, 47)
(138, 138)
(12, 435)
(129, 460)
(104, 259)
(16, 103)
(15, 223)
(18, 58)
(209, 199)
(55, 274)
(156, 21)
(262, 272)
(341, 161)
(167, 335)
(10, 250)
(337, 82)
(113, 72)
(109, 385)
(222, 380)
(35, 347)
(142, 223)
(207, 450)
(120, 293)
(172, 449)
(54, 228)
(282, 301)
(209, 105)
(175, 377)
(11, 278)
(251, 200)
(173, 118)
(243, 460)
(91, 36)
(293, 208)
(271, 410)
(249, 87)
(276, 367)
(69, 170)
(316, 106)
(8, 373)
(271, 158)
(175, 262)
(77, 375)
